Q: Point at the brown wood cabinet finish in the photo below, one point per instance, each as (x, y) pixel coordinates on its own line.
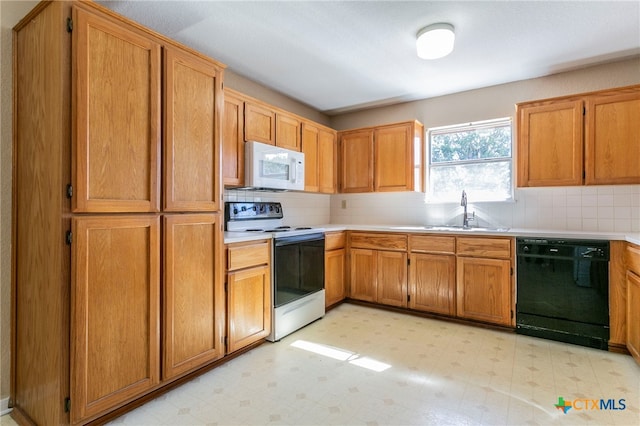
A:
(193, 297)
(484, 247)
(86, 269)
(115, 311)
(391, 288)
(233, 139)
(319, 148)
(432, 244)
(191, 133)
(432, 283)
(484, 289)
(288, 132)
(633, 301)
(363, 267)
(259, 123)
(393, 159)
(382, 240)
(617, 295)
(334, 276)
(248, 293)
(588, 138)
(356, 161)
(116, 76)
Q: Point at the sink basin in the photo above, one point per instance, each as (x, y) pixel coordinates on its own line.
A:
(458, 228)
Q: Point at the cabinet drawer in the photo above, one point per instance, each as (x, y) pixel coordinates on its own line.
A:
(484, 247)
(431, 244)
(246, 255)
(379, 241)
(633, 258)
(334, 240)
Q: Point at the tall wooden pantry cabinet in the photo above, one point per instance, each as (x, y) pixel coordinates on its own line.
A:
(117, 213)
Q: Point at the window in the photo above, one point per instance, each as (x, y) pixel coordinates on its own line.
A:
(475, 157)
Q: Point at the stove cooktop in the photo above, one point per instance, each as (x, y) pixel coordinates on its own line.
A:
(264, 217)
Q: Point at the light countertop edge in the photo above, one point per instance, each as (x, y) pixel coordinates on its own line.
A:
(632, 237)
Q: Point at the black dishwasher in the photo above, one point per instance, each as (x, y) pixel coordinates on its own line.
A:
(563, 290)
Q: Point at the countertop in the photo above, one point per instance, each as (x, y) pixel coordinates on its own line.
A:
(236, 237)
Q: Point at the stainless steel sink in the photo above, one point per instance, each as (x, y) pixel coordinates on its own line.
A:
(452, 228)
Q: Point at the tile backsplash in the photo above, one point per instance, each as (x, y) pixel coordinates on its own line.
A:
(586, 208)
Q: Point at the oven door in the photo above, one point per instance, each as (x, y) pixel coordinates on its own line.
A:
(298, 267)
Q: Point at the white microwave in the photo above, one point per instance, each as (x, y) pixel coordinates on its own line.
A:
(272, 167)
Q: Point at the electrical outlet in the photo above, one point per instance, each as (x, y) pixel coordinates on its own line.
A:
(343, 204)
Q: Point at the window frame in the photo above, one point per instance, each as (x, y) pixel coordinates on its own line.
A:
(469, 126)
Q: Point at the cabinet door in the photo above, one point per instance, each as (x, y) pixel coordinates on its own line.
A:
(310, 148)
(288, 132)
(193, 298)
(327, 164)
(116, 79)
(259, 124)
(233, 140)
(432, 283)
(356, 167)
(612, 140)
(249, 304)
(550, 144)
(633, 315)
(363, 276)
(334, 264)
(392, 278)
(484, 290)
(393, 158)
(115, 316)
(191, 133)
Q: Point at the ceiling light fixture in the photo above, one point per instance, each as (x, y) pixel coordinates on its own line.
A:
(435, 41)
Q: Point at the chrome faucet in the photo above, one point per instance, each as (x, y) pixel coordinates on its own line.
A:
(465, 217)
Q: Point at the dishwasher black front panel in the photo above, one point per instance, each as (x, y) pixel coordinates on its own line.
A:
(563, 290)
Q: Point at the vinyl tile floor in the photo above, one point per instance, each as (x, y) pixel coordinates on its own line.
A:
(364, 366)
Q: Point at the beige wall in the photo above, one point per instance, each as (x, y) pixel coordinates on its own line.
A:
(495, 101)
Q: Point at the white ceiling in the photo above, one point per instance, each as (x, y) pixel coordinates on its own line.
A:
(343, 55)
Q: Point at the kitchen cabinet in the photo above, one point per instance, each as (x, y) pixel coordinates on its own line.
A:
(248, 293)
(633, 301)
(115, 311)
(233, 139)
(334, 266)
(288, 131)
(378, 268)
(382, 158)
(432, 273)
(193, 301)
(586, 139)
(484, 284)
(91, 326)
(259, 123)
(191, 136)
(116, 79)
(319, 148)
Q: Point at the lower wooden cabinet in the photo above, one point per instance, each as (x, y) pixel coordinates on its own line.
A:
(115, 311)
(379, 276)
(633, 300)
(484, 289)
(248, 293)
(432, 283)
(193, 299)
(334, 267)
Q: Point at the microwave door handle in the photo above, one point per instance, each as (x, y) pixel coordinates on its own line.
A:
(293, 174)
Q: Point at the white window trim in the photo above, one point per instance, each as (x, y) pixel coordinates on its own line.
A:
(476, 125)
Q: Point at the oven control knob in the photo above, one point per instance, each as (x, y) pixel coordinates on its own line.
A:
(525, 249)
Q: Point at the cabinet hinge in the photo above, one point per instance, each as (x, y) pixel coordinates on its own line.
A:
(408, 298)
(68, 238)
(69, 25)
(408, 262)
(584, 110)
(512, 271)
(511, 313)
(226, 343)
(67, 404)
(226, 286)
(69, 190)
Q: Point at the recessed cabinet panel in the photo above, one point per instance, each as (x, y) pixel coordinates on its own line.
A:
(334, 276)
(287, 132)
(392, 278)
(191, 146)
(310, 146)
(116, 168)
(233, 140)
(393, 158)
(327, 162)
(259, 124)
(612, 140)
(432, 283)
(363, 267)
(356, 149)
(115, 324)
(193, 298)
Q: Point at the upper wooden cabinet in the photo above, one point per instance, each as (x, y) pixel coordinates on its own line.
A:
(233, 139)
(633, 301)
(259, 123)
(115, 79)
(319, 148)
(288, 131)
(553, 134)
(382, 158)
(191, 133)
